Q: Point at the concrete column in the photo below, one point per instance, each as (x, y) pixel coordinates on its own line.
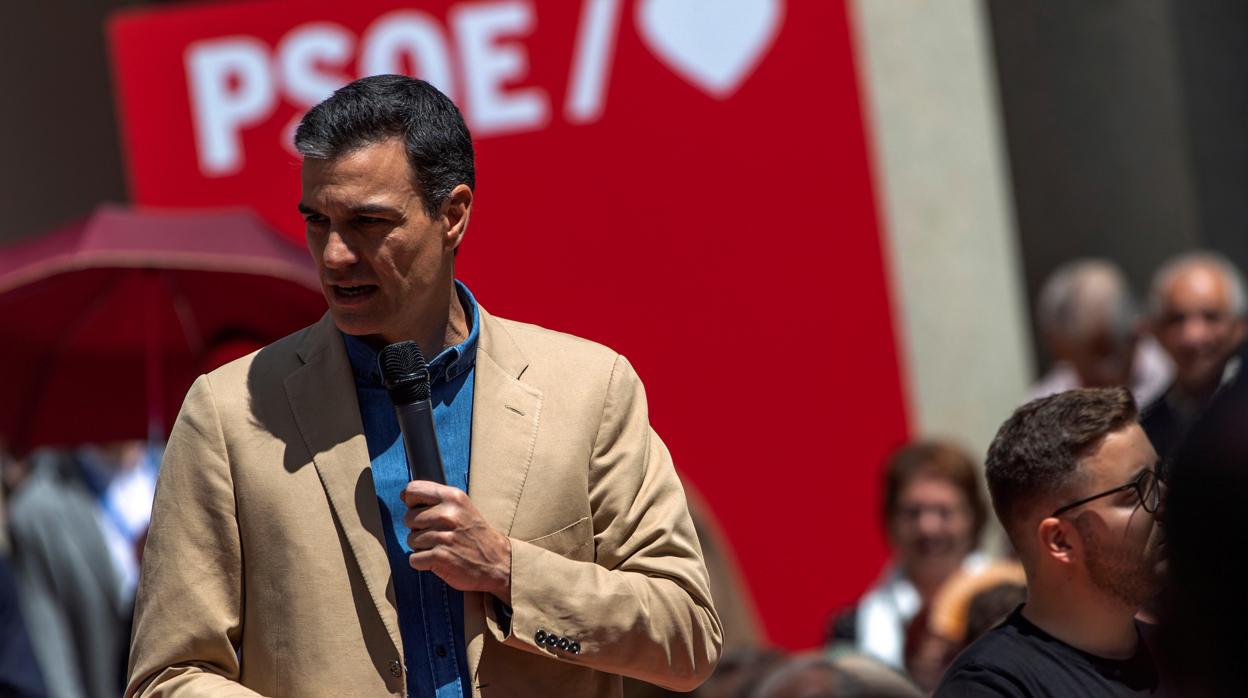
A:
(942, 182)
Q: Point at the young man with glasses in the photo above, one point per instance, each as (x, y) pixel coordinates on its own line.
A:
(1080, 491)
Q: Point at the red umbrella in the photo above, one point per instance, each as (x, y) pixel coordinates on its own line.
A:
(105, 323)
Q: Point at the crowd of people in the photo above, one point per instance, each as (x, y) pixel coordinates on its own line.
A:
(1078, 478)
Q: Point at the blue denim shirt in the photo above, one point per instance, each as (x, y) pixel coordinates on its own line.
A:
(431, 613)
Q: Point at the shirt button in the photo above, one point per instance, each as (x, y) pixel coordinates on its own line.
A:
(396, 669)
(441, 650)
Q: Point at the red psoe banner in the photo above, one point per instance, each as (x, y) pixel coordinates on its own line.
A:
(684, 180)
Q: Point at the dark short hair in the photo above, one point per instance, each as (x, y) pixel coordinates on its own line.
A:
(991, 606)
(935, 459)
(1035, 455)
(374, 109)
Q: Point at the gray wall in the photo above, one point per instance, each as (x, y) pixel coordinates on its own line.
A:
(58, 131)
(1212, 40)
(1125, 129)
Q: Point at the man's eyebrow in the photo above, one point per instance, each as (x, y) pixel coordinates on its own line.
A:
(360, 210)
(369, 209)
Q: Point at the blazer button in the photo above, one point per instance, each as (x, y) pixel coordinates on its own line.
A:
(564, 644)
(396, 669)
(552, 640)
(575, 648)
(539, 638)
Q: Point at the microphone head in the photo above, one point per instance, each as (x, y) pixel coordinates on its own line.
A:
(404, 372)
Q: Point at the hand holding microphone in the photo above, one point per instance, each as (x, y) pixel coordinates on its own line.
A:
(449, 535)
(406, 376)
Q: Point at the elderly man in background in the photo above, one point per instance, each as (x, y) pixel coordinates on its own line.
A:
(1197, 308)
(1091, 325)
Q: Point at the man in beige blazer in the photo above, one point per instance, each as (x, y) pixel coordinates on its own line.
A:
(266, 570)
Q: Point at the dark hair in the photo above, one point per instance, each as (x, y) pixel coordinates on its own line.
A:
(814, 675)
(373, 109)
(1036, 452)
(935, 459)
(991, 606)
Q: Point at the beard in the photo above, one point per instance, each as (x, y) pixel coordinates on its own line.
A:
(1128, 574)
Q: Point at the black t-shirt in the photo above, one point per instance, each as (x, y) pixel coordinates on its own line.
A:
(1018, 659)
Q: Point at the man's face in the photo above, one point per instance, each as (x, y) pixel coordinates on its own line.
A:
(1103, 359)
(1196, 326)
(931, 530)
(1124, 548)
(380, 255)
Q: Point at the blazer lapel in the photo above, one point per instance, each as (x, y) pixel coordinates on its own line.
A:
(505, 416)
(322, 397)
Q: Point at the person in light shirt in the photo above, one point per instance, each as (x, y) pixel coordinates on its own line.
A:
(933, 512)
(77, 526)
(291, 553)
(1092, 327)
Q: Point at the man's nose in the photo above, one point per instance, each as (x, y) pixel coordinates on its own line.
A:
(1195, 330)
(338, 254)
(930, 521)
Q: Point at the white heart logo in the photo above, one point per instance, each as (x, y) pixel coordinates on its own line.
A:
(714, 44)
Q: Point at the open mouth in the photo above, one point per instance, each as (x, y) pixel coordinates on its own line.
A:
(349, 293)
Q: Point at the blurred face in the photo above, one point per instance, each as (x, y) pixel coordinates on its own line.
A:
(931, 531)
(1103, 359)
(382, 259)
(120, 456)
(1124, 545)
(1196, 327)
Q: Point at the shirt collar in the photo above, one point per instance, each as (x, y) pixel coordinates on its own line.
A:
(448, 365)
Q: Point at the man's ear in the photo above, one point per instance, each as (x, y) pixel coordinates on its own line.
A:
(1239, 329)
(455, 212)
(1058, 540)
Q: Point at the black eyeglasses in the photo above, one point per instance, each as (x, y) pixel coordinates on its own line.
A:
(1149, 487)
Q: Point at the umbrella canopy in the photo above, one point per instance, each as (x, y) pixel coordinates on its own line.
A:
(105, 323)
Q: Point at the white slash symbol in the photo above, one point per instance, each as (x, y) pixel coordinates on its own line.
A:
(591, 67)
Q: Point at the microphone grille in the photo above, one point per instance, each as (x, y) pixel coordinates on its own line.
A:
(403, 370)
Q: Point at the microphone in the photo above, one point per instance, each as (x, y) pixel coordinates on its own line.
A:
(406, 377)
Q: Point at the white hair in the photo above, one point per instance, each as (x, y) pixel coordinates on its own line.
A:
(1084, 295)
(1189, 260)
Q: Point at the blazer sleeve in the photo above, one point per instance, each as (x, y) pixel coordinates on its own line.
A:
(643, 607)
(187, 621)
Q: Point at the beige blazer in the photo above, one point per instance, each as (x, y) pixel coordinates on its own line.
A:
(266, 572)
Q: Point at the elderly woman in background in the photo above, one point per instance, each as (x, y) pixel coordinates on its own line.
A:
(933, 512)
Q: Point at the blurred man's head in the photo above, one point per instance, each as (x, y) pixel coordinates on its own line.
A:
(739, 672)
(1197, 308)
(1089, 319)
(806, 677)
(933, 509)
(818, 676)
(991, 606)
(1073, 480)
